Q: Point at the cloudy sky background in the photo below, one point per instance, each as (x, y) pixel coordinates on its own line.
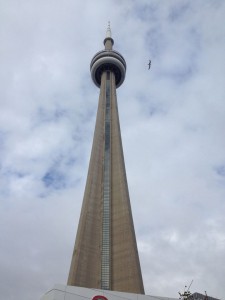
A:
(172, 122)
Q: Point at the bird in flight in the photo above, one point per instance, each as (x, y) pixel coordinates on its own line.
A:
(149, 64)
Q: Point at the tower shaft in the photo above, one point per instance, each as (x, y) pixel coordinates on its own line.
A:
(105, 254)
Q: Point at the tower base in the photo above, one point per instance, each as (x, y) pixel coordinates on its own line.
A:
(66, 292)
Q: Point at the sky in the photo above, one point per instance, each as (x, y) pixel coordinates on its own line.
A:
(172, 122)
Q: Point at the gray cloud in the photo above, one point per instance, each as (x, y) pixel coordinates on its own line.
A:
(173, 115)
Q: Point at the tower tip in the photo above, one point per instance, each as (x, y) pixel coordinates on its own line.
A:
(108, 32)
(108, 41)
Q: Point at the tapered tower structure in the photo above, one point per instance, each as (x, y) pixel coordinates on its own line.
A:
(105, 254)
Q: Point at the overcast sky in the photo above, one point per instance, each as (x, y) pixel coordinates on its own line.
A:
(172, 122)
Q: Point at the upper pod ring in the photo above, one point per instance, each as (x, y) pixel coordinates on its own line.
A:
(108, 60)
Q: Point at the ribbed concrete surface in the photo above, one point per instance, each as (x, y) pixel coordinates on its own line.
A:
(85, 268)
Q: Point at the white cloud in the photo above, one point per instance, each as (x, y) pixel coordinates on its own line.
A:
(173, 115)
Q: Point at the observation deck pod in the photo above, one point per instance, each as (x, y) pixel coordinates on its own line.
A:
(108, 60)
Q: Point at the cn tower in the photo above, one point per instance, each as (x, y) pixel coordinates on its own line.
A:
(105, 254)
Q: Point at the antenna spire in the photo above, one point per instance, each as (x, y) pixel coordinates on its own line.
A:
(108, 32)
(108, 41)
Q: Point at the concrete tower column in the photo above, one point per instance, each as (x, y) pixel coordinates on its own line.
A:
(105, 254)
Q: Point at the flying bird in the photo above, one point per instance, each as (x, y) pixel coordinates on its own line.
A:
(149, 64)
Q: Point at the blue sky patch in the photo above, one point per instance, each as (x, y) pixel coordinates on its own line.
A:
(178, 11)
(220, 170)
(53, 115)
(54, 179)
